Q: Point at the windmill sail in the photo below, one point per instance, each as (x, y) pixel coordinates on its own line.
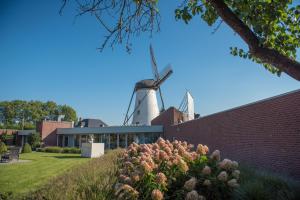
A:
(190, 106)
(153, 64)
(165, 73)
(187, 106)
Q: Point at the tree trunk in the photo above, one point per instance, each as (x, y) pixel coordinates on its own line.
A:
(266, 55)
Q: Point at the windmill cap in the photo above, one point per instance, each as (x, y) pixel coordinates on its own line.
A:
(145, 84)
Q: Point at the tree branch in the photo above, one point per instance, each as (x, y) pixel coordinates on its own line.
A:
(266, 55)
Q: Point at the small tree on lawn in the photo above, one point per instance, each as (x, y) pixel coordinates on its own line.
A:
(34, 140)
(26, 148)
(3, 148)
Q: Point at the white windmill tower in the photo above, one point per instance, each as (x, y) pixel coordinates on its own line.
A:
(146, 106)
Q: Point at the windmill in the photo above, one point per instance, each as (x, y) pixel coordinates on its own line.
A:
(146, 106)
(187, 106)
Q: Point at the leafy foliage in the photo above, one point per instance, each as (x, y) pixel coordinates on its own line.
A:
(60, 150)
(33, 111)
(275, 23)
(3, 148)
(34, 140)
(26, 148)
(4, 137)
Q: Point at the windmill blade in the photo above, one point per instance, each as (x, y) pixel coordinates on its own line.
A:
(153, 64)
(126, 117)
(161, 98)
(166, 72)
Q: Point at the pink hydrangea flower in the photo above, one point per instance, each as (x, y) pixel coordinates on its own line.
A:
(233, 183)
(206, 170)
(192, 195)
(216, 155)
(161, 178)
(190, 184)
(225, 164)
(207, 183)
(223, 176)
(157, 195)
(202, 150)
(236, 174)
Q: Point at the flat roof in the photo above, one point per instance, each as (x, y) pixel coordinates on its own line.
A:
(26, 132)
(111, 129)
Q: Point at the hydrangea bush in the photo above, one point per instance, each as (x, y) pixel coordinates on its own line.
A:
(174, 170)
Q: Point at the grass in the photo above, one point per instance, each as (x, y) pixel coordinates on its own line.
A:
(95, 179)
(264, 185)
(92, 180)
(21, 178)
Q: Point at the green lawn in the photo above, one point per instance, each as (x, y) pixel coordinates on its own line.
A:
(24, 177)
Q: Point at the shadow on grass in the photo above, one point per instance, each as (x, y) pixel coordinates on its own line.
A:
(67, 157)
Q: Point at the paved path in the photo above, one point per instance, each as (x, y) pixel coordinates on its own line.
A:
(14, 162)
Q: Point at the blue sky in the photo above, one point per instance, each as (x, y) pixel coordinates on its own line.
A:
(45, 56)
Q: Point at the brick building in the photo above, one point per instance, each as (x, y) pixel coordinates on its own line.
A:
(48, 131)
(264, 134)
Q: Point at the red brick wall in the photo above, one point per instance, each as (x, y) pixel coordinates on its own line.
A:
(10, 141)
(47, 130)
(264, 134)
(8, 131)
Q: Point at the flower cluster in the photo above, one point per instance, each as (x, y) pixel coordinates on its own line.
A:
(148, 171)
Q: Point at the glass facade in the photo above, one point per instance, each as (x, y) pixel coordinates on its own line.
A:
(111, 140)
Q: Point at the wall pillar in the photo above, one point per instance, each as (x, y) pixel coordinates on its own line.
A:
(108, 141)
(118, 140)
(22, 141)
(79, 141)
(63, 141)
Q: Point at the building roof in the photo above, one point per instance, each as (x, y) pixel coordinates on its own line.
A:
(26, 132)
(111, 129)
(92, 123)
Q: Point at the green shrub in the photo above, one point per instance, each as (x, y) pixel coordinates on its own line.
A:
(34, 140)
(53, 149)
(71, 150)
(59, 150)
(3, 148)
(26, 148)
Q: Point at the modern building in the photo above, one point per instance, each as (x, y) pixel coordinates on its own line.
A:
(64, 134)
(112, 136)
(23, 135)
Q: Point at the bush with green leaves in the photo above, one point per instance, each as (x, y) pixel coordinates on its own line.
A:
(26, 148)
(172, 170)
(34, 140)
(3, 148)
(71, 150)
(55, 149)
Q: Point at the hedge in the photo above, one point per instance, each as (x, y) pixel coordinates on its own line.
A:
(59, 150)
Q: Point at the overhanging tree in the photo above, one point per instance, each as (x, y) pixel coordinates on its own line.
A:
(270, 28)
